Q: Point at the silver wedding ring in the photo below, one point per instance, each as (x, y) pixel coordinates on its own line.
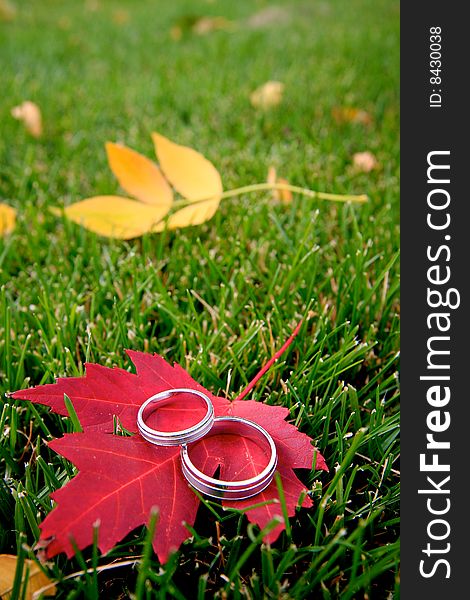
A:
(233, 490)
(174, 438)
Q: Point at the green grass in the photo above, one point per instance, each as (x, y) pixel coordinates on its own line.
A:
(219, 298)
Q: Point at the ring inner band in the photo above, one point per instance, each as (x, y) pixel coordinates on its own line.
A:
(233, 490)
(179, 437)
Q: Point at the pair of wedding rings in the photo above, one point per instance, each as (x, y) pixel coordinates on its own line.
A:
(206, 427)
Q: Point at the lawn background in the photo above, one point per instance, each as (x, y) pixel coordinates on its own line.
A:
(218, 298)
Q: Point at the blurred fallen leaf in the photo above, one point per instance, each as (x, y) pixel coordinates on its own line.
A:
(364, 161)
(30, 114)
(284, 196)
(120, 17)
(7, 11)
(205, 25)
(183, 25)
(176, 33)
(347, 114)
(36, 578)
(267, 95)
(199, 25)
(193, 176)
(271, 15)
(7, 220)
(272, 177)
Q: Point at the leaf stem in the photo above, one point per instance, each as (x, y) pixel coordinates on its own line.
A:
(270, 363)
(260, 187)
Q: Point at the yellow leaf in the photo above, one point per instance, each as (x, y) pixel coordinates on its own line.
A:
(7, 219)
(30, 114)
(190, 215)
(364, 161)
(139, 176)
(267, 95)
(193, 176)
(113, 216)
(36, 578)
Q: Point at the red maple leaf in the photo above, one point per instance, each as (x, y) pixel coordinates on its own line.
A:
(122, 478)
